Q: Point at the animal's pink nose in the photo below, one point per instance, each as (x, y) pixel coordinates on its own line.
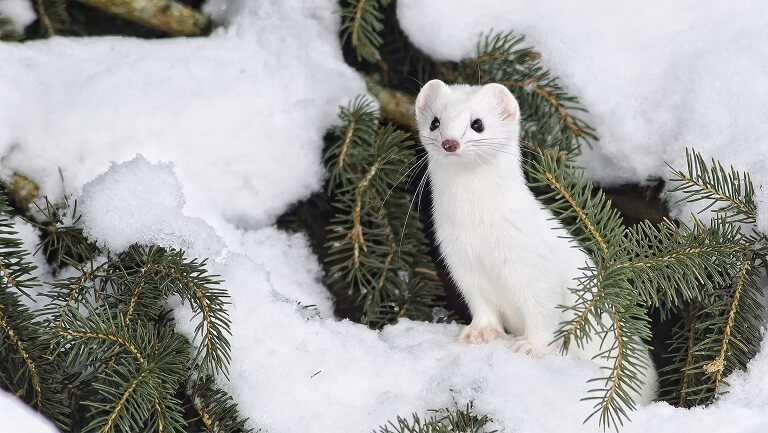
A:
(450, 145)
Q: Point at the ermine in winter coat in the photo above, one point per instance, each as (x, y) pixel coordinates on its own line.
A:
(512, 261)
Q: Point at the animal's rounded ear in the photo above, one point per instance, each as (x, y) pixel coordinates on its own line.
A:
(506, 101)
(427, 94)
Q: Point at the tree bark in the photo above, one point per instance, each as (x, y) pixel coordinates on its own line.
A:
(166, 15)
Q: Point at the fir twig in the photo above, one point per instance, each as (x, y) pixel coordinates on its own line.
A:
(445, 420)
(361, 24)
(372, 274)
(725, 191)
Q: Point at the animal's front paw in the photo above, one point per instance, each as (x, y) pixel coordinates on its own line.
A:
(522, 345)
(475, 334)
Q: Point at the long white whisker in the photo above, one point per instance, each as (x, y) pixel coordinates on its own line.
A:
(421, 163)
(408, 214)
(487, 139)
(495, 149)
(414, 166)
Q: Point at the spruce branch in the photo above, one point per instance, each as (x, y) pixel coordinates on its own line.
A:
(103, 340)
(585, 209)
(217, 410)
(63, 242)
(359, 122)
(446, 420)
(374, 248)
(131, 393)
(171, 273)
(551, 116)
(22, 335)
(720, 332)
(718, 364)
(673, 265)
(606, 299)
(360, 26)
(725, 191)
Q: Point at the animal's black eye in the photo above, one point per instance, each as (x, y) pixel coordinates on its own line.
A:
(435, 124)
(477, 125)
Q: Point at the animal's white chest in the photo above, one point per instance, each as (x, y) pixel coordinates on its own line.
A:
(474, 228)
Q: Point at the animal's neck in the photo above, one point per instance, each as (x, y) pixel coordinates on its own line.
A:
(501, 174)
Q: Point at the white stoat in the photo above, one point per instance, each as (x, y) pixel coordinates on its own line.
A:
(512, 261)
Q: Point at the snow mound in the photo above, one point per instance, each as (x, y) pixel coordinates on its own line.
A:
(656, 77)
(223, 108)
(291, 266)
(138, 202)
(17, 417)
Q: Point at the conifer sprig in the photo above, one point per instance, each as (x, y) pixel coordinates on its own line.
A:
(217, 410)
(103, 339)
(725, 191)
(147, 275)
(673, 264)
(709, 273)
(25, 370)
(378, 264)
(607, 301)
(63, 241)
(551, 117)
(720, 332)
(445, 420)
(360, 26)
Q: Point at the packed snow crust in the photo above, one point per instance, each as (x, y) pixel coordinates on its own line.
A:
(656, 76)
(231, 127)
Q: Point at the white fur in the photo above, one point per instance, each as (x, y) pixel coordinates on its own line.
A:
(512, 261)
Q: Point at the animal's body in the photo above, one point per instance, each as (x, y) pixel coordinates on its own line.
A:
(512, 261)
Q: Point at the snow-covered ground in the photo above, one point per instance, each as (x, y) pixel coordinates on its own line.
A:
(241, 115)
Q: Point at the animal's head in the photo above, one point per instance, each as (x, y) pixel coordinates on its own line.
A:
(472, 123)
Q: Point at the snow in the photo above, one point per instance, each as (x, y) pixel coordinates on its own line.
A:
(290, 263)
(656, 77)
(222, 111)
(294, 370)
(223, 108)
(21, 12)
(138, 202)
(297, 374)
(17, 417)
